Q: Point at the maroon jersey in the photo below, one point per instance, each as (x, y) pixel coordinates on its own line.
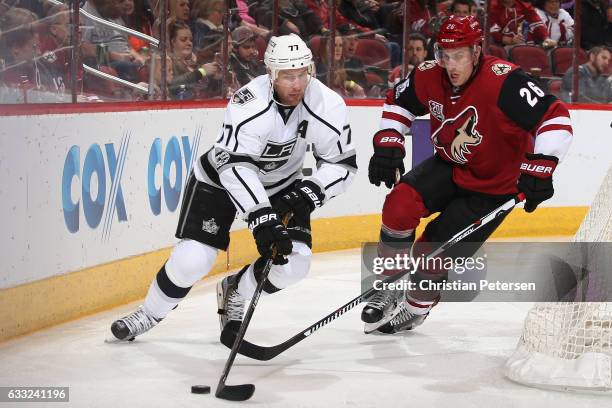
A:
(510, 21)
(485, 127)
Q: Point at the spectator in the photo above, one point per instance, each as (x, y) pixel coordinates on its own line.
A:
(594, 23)
(121, 57)
(594, 87)
(54, 43)
(340, 82)
(368, 14)
(516, 22)
(354, 67)
(321, 8)
(558, 22)
(207, 17)
(463, 8)
(40, 8)
(190, 79)
(138, 16)
(236, 13)
(416, 51)
(28, 71)
(363, 12)
(243, 11)
(294, 17)
(11, 19)
(178, 10)
(424, 17)
(244, 60)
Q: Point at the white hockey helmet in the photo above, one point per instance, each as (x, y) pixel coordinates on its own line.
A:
(287, 52)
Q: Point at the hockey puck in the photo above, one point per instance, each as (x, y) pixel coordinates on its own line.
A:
(200, 389)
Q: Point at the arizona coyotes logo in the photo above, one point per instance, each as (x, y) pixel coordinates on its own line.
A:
(455, 135)
(500, 69)
(425, 65)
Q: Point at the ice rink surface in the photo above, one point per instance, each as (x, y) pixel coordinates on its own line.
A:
(454, 360)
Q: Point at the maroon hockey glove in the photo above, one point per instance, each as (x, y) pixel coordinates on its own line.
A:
(268, 229)
(389, 153)
(536, 179)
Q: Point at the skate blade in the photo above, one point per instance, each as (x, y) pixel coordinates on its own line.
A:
(369, 328)
(220, 303)
(113, 340)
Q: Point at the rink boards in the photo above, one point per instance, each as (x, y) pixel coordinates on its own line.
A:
(89, 202)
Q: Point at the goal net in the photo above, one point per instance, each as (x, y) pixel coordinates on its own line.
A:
(568, 345)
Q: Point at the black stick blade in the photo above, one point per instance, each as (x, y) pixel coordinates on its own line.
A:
(235, 392)
(247, 348)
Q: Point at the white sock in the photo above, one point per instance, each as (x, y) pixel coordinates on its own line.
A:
(417, 307)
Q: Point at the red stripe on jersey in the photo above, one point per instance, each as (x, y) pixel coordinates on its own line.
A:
(397, 117)
(548, 128)
(555, 110)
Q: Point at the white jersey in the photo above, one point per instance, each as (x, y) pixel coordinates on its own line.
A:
(258, 152)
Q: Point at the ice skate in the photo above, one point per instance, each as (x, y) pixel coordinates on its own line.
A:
(377, 311)
(230, 303)
(408, 314)
(132, 325)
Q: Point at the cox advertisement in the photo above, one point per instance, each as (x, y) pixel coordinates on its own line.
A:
(82, 190)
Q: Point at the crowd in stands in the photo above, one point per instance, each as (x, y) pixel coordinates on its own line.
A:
(366, 54)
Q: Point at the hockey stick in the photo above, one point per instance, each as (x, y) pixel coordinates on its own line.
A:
(264, 353)
(243, 392)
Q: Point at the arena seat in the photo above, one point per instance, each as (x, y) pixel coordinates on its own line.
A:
(373, 53)
(530, 56)
(561, 59)
(497, 51)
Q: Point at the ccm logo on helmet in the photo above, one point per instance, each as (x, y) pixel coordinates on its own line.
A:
(536, 169)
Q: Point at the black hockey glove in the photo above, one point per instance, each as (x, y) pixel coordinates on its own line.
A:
(301, 200)
(268, 230)
(536, 180)
(389, 153)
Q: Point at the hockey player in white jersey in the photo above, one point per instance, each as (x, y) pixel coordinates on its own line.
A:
(255, 169)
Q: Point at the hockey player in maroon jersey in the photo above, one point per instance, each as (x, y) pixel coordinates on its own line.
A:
(485, 113)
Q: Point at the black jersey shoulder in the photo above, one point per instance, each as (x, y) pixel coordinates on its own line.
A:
(523, 100)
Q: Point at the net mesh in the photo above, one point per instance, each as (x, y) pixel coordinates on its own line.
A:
(569, 345)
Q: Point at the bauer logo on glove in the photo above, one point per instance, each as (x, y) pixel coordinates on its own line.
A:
(261, 220)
